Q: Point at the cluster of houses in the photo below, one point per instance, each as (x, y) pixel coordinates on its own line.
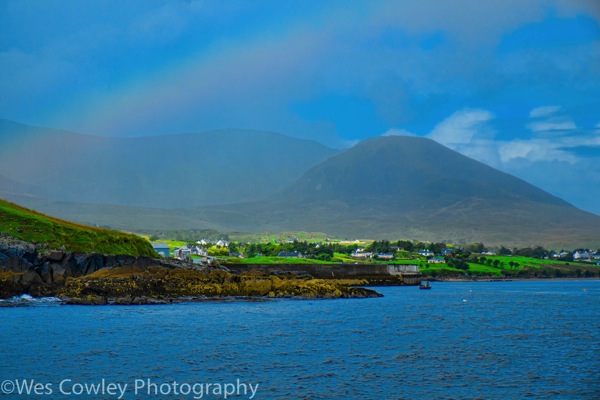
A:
(185, 252)
(586, 256)
(432, 258)
(361, 254)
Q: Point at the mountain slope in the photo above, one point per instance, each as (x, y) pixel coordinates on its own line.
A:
(408, 187)
(411, 173)
(160, 171)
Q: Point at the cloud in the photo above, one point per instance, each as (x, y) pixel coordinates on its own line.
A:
(398, 132)
(555, 124)
(468, 131)
(546, 120)
(462, 127)
(544, 111)
(535, 150)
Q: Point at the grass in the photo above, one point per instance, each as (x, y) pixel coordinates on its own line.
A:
(173, 244)
(272, 237)
(32, 226)
(280, 260)
(526, 262)
(526, 267)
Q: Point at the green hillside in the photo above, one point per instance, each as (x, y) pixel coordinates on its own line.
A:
(31, 226)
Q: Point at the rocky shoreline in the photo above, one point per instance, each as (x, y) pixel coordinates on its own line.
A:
(96, 279)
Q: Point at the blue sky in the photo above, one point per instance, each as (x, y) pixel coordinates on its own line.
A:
(512, 83)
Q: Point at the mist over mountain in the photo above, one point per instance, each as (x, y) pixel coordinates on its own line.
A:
(383, 188)
(218, 167)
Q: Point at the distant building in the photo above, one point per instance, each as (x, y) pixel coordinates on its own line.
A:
(290, 254)
(197, 250)
(581, 256)
(446, 251)
(402, 269)
(162, 249)
(183, 254)
(436, 260)
(360, 253)
(223, 243)
(385, 256)
(425, 253)
(292, 239)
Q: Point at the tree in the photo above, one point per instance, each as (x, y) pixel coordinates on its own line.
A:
(475, 248)
(406, 245)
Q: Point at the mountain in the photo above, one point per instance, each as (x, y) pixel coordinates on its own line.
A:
(383, 188)
(409, 187)
(172, 171)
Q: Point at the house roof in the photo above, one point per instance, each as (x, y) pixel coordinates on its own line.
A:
(160, 245)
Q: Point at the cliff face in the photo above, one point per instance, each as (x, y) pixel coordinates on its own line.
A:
(39, 271)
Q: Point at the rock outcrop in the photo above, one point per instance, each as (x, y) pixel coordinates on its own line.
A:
(34, 269)
(96, 279)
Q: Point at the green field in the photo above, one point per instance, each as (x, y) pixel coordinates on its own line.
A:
(34, 227)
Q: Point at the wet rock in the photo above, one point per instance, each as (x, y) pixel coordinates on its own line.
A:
(87, 301)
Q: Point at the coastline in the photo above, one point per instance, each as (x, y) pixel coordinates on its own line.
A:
(593, 278)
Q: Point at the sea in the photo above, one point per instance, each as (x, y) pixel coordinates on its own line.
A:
(529, 339)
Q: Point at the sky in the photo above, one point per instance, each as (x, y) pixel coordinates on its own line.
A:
(512, 83)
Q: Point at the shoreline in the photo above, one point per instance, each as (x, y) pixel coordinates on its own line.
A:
(592, 278)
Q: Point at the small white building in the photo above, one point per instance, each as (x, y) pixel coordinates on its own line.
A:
(581, 255)
(436, 260)
(183, 254)
(360, 253)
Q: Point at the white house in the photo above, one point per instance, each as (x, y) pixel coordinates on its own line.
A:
(360, 253)
(223, 243)
(581, 255)
(182, 253)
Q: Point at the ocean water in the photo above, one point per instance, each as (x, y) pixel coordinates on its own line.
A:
(496, 340)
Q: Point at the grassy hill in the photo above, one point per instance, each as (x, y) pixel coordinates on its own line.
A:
(31, 226)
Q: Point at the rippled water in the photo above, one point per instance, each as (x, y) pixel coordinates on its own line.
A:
(497, 340)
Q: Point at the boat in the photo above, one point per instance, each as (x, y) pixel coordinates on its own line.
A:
(425, 286)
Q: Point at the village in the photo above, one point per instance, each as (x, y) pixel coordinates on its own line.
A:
(206, 251)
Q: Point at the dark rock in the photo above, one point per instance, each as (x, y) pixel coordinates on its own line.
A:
(87, 301)
(55, 255)
(58, 273)
(46, 272)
